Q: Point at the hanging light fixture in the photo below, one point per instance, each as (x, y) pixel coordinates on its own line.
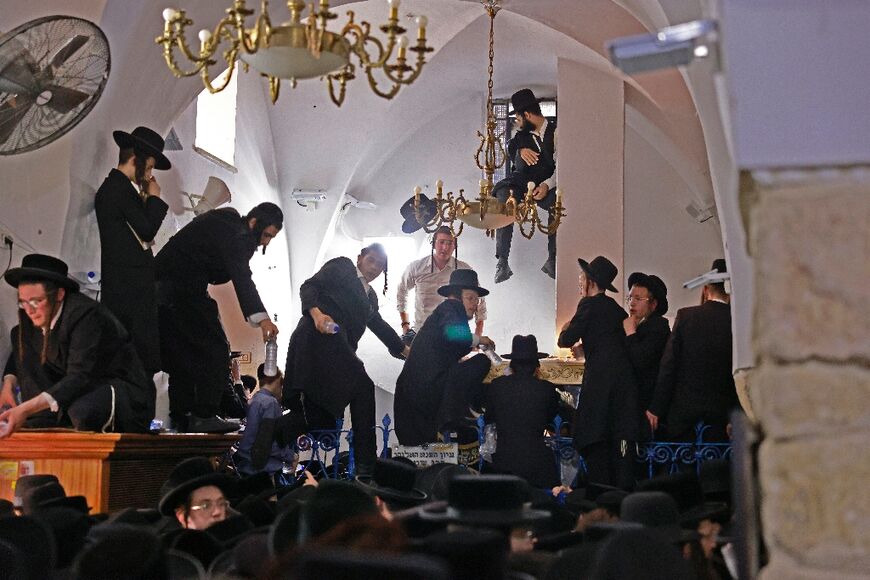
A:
(486, 211)
(301, 48)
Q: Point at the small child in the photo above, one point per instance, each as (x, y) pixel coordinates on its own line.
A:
(258, 449)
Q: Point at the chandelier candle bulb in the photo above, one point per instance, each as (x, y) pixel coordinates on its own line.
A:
(169, 14)
(394, 9)
(403, 47)
(204, 37)
(558, 196)
(421, 21)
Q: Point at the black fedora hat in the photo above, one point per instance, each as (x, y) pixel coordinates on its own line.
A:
(489, 501)
(601, 271)
(25, 483)
(42, 267)
(146, 140)
(719, 265)
(393, 480)
(655, 286)
(656, 510)
(427, 209)
(462, 279)
(525, 348)
(187, 476)
(522, 100)
(686, 490)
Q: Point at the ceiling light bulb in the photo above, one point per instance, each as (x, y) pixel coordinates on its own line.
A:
(421, 21)
(393, 3)
(403, 41)
(701, 51)
(204, 35)
(169, 14)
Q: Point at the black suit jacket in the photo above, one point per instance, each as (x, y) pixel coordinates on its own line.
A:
(521, 407)
(521, 173)
(443, 339)
(645, 348)
(127, 270)
(695, 381)
(214, 248)
(87, 348)
(313, 358)
(608, 408)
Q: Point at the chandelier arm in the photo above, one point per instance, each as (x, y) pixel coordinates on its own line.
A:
(274, 88)
(207, 81)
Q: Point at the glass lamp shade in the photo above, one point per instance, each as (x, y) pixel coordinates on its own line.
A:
(288, 57)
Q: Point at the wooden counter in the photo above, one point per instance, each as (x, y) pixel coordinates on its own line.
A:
(111, 470)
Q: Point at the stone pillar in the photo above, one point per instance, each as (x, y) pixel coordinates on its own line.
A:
(809, 237)
(591, 135)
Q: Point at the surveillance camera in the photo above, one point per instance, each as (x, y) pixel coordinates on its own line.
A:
(669, 47)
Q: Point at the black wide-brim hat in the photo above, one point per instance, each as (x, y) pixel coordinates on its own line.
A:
(487, 500)
(42, 267)
(190, 474)
(144, 139)
(462, 279)
(525, 348)
(427, 212)
(393, 480)
(601, 270)
(522, 100)
(656, 287)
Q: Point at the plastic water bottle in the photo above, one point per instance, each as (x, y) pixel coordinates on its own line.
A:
(270, 367)
(93, 277)
(331, 327)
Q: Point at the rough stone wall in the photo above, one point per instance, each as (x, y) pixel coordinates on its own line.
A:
(810, 390)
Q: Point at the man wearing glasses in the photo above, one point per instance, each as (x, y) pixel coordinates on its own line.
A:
(72, 361)
(435, 387)
(195, 494)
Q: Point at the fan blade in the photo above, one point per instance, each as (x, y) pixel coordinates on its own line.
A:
(11, 112)
(70, 48)
(63, 99)
(18, 74)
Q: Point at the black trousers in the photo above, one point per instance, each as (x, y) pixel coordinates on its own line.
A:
(101, 408)
(195, 353)
(460, 387)
(611, 463)
(504, 236)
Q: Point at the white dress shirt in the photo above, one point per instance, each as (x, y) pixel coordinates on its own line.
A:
(424, 276)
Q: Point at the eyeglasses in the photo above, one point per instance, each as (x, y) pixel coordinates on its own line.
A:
(33, 302)
(631, 299)
(208, 505)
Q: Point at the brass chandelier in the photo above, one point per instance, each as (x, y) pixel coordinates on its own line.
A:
(300, 48)
(486, 212)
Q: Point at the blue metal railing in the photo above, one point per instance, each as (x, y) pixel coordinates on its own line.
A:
(322, 449)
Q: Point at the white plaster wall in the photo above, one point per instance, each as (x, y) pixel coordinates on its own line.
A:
(660, 237)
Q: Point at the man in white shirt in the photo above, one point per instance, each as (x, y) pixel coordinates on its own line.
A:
(425, 276)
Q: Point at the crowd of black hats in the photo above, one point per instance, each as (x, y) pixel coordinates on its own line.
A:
(442, 521)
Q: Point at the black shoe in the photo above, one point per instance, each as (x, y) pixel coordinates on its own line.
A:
(213, 424)
(549, 268)
(502, 271)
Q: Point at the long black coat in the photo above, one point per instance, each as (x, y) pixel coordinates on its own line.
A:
(214, 248)
(608, 409)
(521, 407)
(127, 269)
(325, 366)
(645, 348)
(695, 381)
(443, 339)
(87, 348)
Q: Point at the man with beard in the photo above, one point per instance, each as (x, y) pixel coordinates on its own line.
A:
(606, 423)
(436, 388)
(533, 152)
(323, 373)
(214, 248)
(129, 213)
